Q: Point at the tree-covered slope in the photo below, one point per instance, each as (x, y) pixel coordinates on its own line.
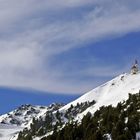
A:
(119, 123)
(52, 121)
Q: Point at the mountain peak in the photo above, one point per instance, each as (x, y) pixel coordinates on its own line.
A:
(24, 114)
(111, 92)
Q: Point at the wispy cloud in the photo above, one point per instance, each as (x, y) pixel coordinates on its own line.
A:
(33, 32)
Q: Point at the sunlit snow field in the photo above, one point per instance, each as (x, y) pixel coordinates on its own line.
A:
(8, 132)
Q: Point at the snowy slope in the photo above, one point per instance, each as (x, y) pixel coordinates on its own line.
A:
(109, 93)
(8, 131)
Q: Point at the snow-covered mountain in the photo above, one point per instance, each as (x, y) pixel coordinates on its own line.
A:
(9, 132)
(14, 121)
(24, 114)
(111, 92)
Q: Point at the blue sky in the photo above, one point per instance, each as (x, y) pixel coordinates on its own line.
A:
(59, 50)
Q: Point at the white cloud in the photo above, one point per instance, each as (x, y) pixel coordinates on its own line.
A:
(33, 32)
